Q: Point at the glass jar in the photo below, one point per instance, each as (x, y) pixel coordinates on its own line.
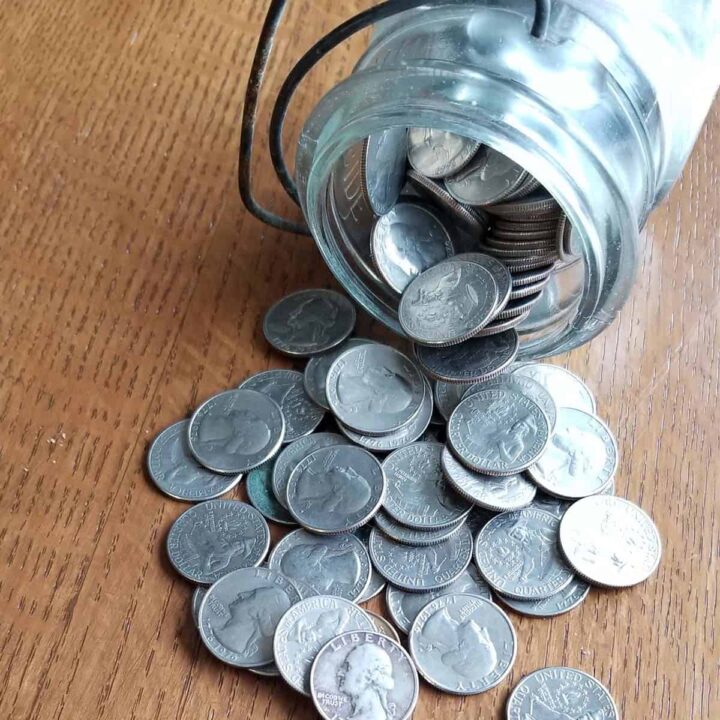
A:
(603, 112)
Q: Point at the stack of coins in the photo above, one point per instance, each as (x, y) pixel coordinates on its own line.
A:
(514, 510)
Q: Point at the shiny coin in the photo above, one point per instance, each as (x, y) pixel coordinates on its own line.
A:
(448, 395)
(330, 565)
(521, 279)
(498, 431)
(336, 489)
(561, 602)
(287, 389)
(550, 504)
(580, 459)
(293, 454)
(517, 308)
(517, 554)
(567, 389)
(417, 494)
(309, 322)
(448, 303)
(374, 389)
(405, 606)
(383, 626)
(522, 264)
(176, 472)
(419, 569)
(499, 494)
(500, 326)
(215, 537)
(558, 693)
(195, 602)
(538, 205)
(478, 519)
(406, 241)
(501, 275)
(260, 493)
(377, 581)
(470, 361)
(462, 644)
(527, 290)
(413, 536)
(305, 628)
(364, 676)
(384, 161)
(269, 670)
(235, 431)
(610, 541)
(437, 153)
(240, 612)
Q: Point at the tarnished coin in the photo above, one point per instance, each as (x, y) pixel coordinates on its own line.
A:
(215, 537)
(287, 389)
(309, 322)
(291, 455)
(559, 693)
(260, 493)
(383, 626)
(406, 241)
(517, 554)
(500, 494)
(377, 581)
(448, 303)
(567, 389)
(308, 626)
(580, 459)
(240, 612)
(364, 676)
(501, 275)
(419, 569)
(374, 389)
(235, 431)
(384, 161)
(417, 493)
(610, 541)
(561, 602)
(195, 602)
(471, 361)
(438, 153)
(336, 489)
(448, 396)
(176, 472)
(462, 644)
(330, 565)
(414, 536)
(405, 606)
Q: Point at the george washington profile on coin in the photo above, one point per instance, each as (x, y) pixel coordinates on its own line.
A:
(366, 677)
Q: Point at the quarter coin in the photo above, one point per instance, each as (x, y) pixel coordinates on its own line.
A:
(195, 601)
(448, 396)
(383, 626)
(377, 581)
(414, 536)
(501, 275)
(438, 153)
(561, 602)
(259, 489)
(384, 161)
(567, 389)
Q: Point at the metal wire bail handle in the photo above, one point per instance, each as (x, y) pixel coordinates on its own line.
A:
(321, 48)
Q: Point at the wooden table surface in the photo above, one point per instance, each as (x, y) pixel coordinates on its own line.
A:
(133, 286)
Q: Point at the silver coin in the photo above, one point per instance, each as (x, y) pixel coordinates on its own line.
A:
(336, 489)
(478, 519)
(500, 326)
(316, 370)
(533, 389)
(580, 459)
(235, 431)
(567, 389)
(517, 554)
(374, 389)
(195, 602)
(330, 565)
(406, 241)
(309, 322)
(240, 612)
(520, 279)
(407, 434)
(448, 396)
(500, 494)
(305, 628)
(413, 536)
(377, 581)
(419, 569)
(287, 389)
(269, 670)
(498, 431)
(550, 504)
(462, 644)
(438, 153)
(176, 472)
(471, 361)
(417, 493)
(293, 454)
(384, 161)
(364, 676)
(260, 493)
(558, 693)
(405, 606)
(448, 303)
(610, 541)
(538, 205)
(383, 626)
(216, 537)
(501, 275)
(561, 602)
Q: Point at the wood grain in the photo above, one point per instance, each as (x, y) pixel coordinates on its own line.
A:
(133, 284)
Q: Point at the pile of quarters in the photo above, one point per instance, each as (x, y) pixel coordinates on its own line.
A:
(463, 486)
